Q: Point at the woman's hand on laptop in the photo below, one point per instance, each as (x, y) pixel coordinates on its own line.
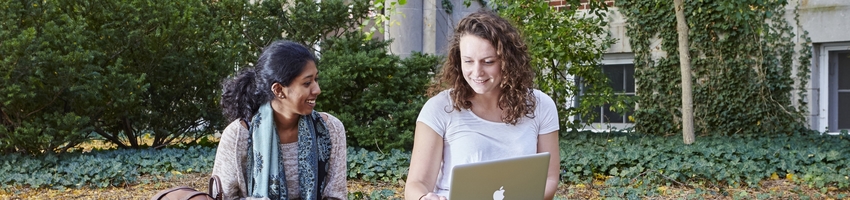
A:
(432, 196)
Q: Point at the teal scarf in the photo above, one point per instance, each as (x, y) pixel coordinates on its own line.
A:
(265, 174)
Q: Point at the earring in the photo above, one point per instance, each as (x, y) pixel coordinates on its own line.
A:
(282, 97)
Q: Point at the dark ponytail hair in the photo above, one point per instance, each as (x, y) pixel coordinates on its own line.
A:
(280, 62)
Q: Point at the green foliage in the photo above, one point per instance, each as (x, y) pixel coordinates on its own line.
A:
(303, 21)
(99, 169)
(123, 69)
(553, 38)
(381, 10)
(448, 6)
(377, 194)
(119, 68)
(184, 48)
(630, 164)
(742, 57)
(377, 166)
(632, 160)
(119, 167)
(375, 94)
(50, 78)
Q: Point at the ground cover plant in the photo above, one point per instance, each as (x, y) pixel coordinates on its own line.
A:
(636, 165)
(594, 165)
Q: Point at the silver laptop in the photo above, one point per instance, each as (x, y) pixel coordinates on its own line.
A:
(516, 178)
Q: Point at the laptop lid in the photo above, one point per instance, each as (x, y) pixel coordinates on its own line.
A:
(522, 177)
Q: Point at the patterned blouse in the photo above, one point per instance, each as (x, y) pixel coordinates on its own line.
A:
(232, 154)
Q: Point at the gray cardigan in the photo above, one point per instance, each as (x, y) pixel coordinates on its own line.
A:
(232, 153)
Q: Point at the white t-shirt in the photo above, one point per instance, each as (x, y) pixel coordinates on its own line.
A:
(468, 138)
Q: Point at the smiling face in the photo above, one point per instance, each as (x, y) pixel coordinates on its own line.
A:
(299, 97)
(480, 65)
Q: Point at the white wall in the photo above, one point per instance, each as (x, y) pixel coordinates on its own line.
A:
(425, 26)
(828, 25)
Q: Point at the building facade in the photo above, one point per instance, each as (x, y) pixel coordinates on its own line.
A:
(427, 26)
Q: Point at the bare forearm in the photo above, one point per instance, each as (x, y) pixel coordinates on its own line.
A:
(412, 191)
(551, 188)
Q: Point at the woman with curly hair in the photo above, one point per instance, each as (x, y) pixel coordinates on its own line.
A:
(485, 108)
(277, 146)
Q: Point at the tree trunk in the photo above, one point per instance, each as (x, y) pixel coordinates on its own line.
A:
(685, 61)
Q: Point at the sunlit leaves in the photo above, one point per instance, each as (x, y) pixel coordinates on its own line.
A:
(566, 49)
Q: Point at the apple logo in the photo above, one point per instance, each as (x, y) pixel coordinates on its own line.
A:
(499, 194)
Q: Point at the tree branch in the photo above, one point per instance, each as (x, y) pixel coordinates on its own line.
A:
(129, 132)
(6, 117)
(45, 105)
(115, 140)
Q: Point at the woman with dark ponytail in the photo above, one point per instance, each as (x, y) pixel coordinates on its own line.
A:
(277, 146)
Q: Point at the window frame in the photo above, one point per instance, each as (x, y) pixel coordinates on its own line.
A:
(611, 59)
(825, 110)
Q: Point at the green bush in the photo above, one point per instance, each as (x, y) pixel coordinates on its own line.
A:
(118, 69)
(106, 168)
(99, 169)
(376, 166)
(632, 159)
(46, 70)
(376, 95)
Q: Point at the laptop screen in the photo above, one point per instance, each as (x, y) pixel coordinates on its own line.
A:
(522, 177)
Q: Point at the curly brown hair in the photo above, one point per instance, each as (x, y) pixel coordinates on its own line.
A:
(517, 96)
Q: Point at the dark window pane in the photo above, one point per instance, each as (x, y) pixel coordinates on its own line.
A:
(615, 77)
(843, 70)
(611, 116)
(630, 78)
(843, 110)
(581, 85)
(595, 119)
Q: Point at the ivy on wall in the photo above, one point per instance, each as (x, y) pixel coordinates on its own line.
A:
(743, 61)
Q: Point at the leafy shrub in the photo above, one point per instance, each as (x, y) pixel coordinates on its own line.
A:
(106, 168)
(374, 166)
(630, 159)
(376, 95)
(100, 169)
(124, 69)
(120, 69)
(377, 194)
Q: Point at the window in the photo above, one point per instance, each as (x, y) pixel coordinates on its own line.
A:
(832, 107)
(839, 91)
(622, 79)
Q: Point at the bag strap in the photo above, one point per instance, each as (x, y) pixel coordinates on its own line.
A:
(194, 194)
(215, 187)
(161, 194)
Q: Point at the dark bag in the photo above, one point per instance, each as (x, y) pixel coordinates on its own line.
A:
(187, 193)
